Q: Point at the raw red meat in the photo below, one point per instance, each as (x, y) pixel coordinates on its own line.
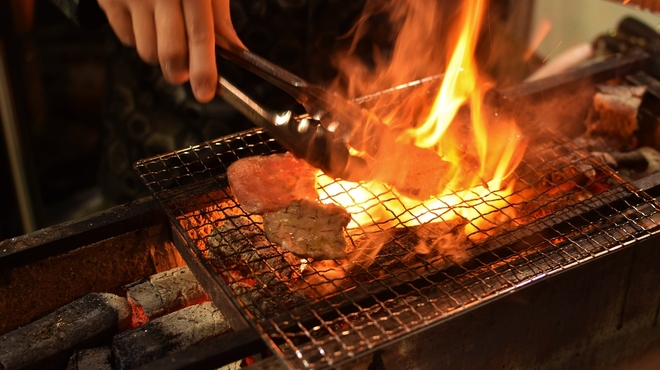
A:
(270, 183)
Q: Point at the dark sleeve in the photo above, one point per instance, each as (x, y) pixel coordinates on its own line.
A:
(85, 13)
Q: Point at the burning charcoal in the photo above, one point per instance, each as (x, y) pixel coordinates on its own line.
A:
(265, 306)
(91, 359)
(309, 229)
(389, 252)
(87, 320)
(270, 183)
(614, 115)
(234, 237)
(557, 167)
(388, 256)
(168, 334)
(164, 293)
(323, 278)
(442, 238)
(262, 269)
(268, 302)
(240, 242)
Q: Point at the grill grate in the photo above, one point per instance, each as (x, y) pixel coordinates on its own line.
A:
(568, 209)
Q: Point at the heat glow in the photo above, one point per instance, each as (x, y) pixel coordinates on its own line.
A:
(483, 157)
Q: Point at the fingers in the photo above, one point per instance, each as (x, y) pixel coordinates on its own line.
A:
(120, 20)
(172, 41)
(198, 17)
(224, 29)
(144, 29)
(180, 35)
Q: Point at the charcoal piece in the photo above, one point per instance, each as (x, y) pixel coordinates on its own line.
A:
(163, 293)
(557, 168)
(394, 255)
(268, 301)
(446, 238)
(91, 359)
(402, 250)
(260, 273)
(237, 235)
(51, 339)
(239, 242)
(309, 229)
(554, 178)
(324, 278)
(167, 335)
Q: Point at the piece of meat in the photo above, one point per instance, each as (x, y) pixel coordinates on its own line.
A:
(415, 172)
(613, 116)
(309, 229)
(270, 183)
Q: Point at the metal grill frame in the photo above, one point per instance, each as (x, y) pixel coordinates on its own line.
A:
(353, 323)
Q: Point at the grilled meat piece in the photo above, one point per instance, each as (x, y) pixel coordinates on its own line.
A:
(415, 172)
(270, 183)
(613, 116)
(309, 229)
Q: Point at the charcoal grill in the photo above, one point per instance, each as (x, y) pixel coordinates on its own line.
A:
(324, 314)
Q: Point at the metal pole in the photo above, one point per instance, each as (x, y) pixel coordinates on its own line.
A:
(9, 120)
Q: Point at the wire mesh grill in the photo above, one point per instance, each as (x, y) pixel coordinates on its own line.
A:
(566, 209)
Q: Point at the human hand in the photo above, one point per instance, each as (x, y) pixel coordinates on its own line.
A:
(180, 35)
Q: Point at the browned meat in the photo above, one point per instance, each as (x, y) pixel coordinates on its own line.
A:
(270, 183)
(613, 116)
(309, 229)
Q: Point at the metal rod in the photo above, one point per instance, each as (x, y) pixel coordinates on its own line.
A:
(249, 108)
(12, 141)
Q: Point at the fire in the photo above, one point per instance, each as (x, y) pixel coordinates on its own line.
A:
(460, 80)
(483, 156)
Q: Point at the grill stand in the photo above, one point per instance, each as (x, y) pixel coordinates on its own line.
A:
(607, 310)
(601, 315)
(196, 170)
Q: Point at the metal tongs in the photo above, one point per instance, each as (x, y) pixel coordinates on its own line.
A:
(324, 136)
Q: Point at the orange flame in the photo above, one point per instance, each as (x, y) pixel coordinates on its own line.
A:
(482, 160)
(459, 82)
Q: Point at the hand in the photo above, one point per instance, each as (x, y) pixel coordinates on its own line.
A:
(180, 35)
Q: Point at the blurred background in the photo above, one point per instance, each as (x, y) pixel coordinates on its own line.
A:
(577, 21)
(78, 108)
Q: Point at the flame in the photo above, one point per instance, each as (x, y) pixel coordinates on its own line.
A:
(483, 157)
(459, 82)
